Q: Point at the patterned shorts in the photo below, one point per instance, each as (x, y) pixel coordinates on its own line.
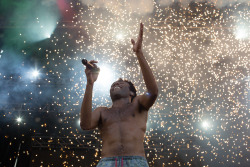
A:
(123, 161)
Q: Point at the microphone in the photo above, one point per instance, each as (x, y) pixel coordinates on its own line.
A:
(92, 67)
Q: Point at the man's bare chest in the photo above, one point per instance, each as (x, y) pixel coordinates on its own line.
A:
(113, 115)
(127, 116)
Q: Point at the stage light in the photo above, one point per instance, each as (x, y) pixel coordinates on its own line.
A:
(78, 122)
(32, 74)
(206, 125)
(47, 35)
(19, 119)
(120, 36)
(43, 26)
(35, 73)
(241, 32)
(60, 120)
(106, 77)
(39, 33)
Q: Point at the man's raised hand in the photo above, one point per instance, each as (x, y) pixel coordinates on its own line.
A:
(90, 74)
(137, 46)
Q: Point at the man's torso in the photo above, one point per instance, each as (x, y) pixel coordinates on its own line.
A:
(122, 130)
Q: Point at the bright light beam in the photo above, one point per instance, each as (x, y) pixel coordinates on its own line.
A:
(43, 26)
(106, 78)
(19, 119)
(120, 36)
(206, 125)
(241, 33)
(35, 73)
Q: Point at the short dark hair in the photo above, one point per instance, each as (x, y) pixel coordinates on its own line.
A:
(131, 88)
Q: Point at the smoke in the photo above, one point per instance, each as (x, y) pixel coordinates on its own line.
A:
(165, 2)
(222, 3)
(30, 21)
(138, 7)
(218, 3)
(147, 6)
(17, 85)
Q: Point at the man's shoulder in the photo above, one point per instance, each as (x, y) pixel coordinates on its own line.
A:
(137, 104)
(136, 99)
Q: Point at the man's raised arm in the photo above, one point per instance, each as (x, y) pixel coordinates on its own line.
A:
(88, 119)
(148, 99)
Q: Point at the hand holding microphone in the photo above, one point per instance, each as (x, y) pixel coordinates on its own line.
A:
(92, 71)
(93, 67)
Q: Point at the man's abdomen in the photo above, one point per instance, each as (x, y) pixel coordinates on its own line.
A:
(123, 139)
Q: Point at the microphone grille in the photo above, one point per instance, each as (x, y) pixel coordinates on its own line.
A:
(84, 61)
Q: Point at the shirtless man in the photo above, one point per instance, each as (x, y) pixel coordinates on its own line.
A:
(123, 125)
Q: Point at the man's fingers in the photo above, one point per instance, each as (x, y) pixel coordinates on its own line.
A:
(141, 31)
(138, 43)
(93, 61)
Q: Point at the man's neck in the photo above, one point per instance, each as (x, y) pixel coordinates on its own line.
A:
(120, 102)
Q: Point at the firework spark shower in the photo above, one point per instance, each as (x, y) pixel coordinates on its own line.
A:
(198, 51)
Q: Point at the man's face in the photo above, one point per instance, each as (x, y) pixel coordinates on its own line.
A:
(119, 89)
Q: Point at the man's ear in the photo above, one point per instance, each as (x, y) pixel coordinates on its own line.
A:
(132, 93)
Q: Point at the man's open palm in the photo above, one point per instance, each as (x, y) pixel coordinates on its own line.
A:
(138, 44)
